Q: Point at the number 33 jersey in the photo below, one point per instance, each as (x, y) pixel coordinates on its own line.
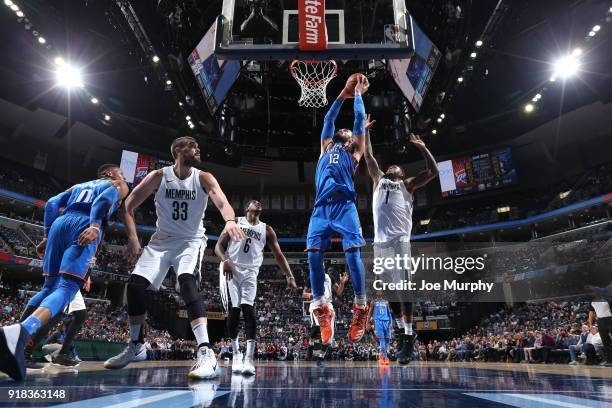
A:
(248, 252)
(180, 205)
(392, 209)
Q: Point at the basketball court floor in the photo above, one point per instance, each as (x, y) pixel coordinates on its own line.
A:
(338, 384)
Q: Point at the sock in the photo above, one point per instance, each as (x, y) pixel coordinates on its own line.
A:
(408, 328)
(31, 324)
(357, 272)
(250, 349)
(200, 331)
(135, 332)
(235, 345)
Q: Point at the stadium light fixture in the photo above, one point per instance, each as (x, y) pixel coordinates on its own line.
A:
(8, 3)
(460, 79)
(566, 66)
(473, 55)
(180, 103)
(439, 120)
(501, 210)
(107, 117)
(592, 33)
(188, 118)
(442, 115)
(425, 222)
(168, 82)
(479, 43)
(68, 76)
(596, 28)
(19, 13)
(529, 108)
(577, 52)
(94, 100)
(59, 61)
(155, 59)
(434, 132)
(42, 40)
(14, 7)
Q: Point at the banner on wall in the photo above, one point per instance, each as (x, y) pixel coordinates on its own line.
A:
(136, 166)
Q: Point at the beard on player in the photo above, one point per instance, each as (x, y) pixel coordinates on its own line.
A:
(191, 156)
(394, 173)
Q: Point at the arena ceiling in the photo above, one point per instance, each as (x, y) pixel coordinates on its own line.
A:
(522, 39)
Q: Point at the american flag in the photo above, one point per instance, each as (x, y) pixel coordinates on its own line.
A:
(254, 165)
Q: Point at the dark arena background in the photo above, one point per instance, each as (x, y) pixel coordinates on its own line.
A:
(513, 98)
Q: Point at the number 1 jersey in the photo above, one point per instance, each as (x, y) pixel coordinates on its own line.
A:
(392, 209)
(180, 205)
(248, 252)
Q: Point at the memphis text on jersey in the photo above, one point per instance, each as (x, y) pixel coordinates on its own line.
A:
(251, 233)
(176, 194)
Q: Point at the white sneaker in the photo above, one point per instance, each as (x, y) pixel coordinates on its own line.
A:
(205, 365)
(237, 365)
(248, 368)
(133, 352)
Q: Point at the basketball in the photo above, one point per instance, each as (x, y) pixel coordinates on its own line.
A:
(351, 82)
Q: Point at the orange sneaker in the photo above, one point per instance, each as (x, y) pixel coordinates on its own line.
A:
(326, 316)
(360, 314)
(381, 359)
(386, 361)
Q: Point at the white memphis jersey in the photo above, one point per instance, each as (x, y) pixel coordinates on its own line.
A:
(248, 252)
(180, 205)
(392, 208)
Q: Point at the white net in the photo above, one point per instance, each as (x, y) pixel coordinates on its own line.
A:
(313, 77)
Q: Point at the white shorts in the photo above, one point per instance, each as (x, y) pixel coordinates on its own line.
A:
(242, 288)
(185, 255)
(313, 319)
(78, 303)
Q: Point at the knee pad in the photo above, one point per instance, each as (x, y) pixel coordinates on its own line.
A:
(191, 297)
(250, 321)
(233, 321)
(135, 295)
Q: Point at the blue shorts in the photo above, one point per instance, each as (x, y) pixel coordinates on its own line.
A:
(382, 329)
(334, 218)
(63, 254)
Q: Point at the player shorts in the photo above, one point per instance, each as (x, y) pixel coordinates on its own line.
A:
(184, 255)
(384, 250)
(63, 254)
(313, 319)
(336, 217)
(241, 289)
(382, 329)
(78, 303)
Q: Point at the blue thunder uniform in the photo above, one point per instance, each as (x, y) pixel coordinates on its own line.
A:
(335, 210)
(63, 254)
(382, 317)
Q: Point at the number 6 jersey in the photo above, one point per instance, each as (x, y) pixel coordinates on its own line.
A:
(248, 252)
(180, 205)
(392, 208)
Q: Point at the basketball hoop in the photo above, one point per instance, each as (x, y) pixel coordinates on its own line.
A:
(313, 77)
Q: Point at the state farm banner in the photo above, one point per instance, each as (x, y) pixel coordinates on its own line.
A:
(311, 19)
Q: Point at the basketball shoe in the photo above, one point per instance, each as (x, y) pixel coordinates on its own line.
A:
(205, 366)
(13, 341)
(237, 362)
(133, 352)
(326, 316)
(358, 324)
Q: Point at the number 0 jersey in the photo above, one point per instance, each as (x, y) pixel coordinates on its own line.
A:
(335, 171)
(392, 209)
(84, 194)
(180, 205)
(248, 252)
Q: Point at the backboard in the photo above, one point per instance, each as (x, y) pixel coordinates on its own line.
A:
(293, 29)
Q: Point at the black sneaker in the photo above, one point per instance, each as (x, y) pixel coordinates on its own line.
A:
(65, 360)
(405, 354)
(400, 344)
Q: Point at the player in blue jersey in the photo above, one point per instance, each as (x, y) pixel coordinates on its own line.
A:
(335, 211)
(70, 242)
(381, 313)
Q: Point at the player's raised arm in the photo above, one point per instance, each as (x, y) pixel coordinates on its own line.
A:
(373, 167)
(424, 176)
(281, 261)
(209, 182)
(328, 123)
(112, 195)
(359, 129)
(142, 191)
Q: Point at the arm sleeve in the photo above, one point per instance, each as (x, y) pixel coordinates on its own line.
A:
(330, 118)
(102, 204)
(52, 208)
(359, 124)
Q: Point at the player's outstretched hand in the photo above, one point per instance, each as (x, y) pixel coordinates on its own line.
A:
(40, 248)
(291, 282)
(234, 231)
(89, 236)
(132, 250)
(417, 141)
(362, 85)
(369, 122)
(227, 269)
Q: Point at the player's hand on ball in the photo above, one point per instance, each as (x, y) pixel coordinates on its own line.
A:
(369, 122)
(227, 269)
(40, 248)
(234, 231)
(416, 141)
(291, 282)
(362, 85)
(89, 236)
(133, 249)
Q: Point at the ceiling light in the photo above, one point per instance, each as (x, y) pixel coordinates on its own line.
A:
(592, 34)
(188, 117)
(168, 82)
(566, 66)
(596, 28)
(442, 115)
(439, 120)
(553, 78)
(479, 43)
(8, 3)
(460, 79)
(59, 61)
(529, 108)
(42, 40)
(577, 52)
(19, 13)
(107, 117)
(14, 7)
(155, 59)
(94, 100)
(434, 131)
(473, 55)
(68, 76)
(180, 103)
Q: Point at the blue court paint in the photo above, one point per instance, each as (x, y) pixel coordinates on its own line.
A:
(541, 400)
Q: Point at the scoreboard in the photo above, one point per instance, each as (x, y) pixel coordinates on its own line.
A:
(482, 172)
